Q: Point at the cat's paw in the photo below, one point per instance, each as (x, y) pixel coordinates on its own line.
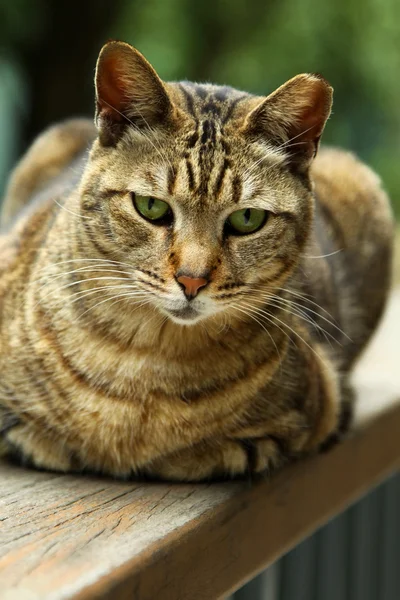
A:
(27, 446)
(204, 461)
(230, 458)
(265, 454)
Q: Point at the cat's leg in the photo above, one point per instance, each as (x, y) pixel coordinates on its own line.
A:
(207, 460)
(259, 448)
(279, 427)
(237, 457)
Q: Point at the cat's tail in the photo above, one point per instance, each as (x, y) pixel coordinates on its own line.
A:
(44, 160)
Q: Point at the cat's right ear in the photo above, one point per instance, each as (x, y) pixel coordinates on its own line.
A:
(293, 118)
(128, 92)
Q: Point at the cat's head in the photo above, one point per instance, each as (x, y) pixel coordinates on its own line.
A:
(202, 190)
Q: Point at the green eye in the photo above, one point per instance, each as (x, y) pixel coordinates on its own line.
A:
(151, 208)
(247, 220)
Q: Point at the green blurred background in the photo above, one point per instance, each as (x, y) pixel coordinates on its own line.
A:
(48, 50)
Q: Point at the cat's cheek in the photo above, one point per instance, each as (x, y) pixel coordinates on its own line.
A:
(129, 234)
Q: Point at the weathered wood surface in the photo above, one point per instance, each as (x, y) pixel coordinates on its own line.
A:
(80, 537)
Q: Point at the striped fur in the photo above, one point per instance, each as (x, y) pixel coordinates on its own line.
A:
(96, 371)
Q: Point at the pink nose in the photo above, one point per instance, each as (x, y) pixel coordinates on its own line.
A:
(191, 285)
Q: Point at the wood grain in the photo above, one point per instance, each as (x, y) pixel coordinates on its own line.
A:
(85, 538)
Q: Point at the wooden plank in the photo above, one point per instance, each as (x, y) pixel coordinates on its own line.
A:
(85, 538)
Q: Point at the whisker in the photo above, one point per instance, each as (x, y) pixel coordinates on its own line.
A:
(235, 307)
(120, 297)
(275, 318)
(324, 255)
(289, 141)
(85, 293)
(71, 212)
(74, 283)
(307, 300)
(253, 167)
(280, 147)
(304, 297)
(90, 260)
(51, 278)
(280, 303)
(301, 310)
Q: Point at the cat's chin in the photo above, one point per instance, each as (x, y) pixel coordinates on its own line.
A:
(184, 316)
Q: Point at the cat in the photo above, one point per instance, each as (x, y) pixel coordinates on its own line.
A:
(186, 284)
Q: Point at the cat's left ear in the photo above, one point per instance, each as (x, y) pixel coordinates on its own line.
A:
(128, 91)
(293, 117)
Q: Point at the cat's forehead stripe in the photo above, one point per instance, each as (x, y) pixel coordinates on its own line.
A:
(220, 178)
(190, 175)
(214, 101)
(171, 179)
(207, 168)
(209, 132)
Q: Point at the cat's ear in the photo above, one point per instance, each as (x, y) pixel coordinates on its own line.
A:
(128, 91)
(293, 117)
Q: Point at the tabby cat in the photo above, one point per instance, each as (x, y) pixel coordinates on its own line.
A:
(184, 289)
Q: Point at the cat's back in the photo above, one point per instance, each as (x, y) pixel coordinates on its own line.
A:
(52, 164)
(351, 194)
(353, 235)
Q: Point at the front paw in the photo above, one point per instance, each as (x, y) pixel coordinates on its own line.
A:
(27, 446)
(227, 459)
(265, 454)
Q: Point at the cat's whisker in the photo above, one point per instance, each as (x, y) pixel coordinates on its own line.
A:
(45, 279)
(107, 268)
(119, 297)
(235, 307)
(301, 315)
(289, 141)
(81, 281)
(285, 144)
(324, 255)
(86, 260)
(51, 292)
(87, 293)
(295, 309)
(226, 324)
(298, 144)
(71, 212)
(248, 172)
(304, 297)
(84, 294)
(275, 318)
(307, 300)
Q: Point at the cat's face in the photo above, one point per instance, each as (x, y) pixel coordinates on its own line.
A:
(202, 190)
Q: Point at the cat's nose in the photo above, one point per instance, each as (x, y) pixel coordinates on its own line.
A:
(191, 285)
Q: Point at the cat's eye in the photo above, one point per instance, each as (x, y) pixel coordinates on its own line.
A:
(152, 209)
(246, 220)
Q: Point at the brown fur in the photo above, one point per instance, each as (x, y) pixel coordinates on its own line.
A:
(104, 363)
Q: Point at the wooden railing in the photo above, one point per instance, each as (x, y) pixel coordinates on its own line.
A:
(85, 538)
